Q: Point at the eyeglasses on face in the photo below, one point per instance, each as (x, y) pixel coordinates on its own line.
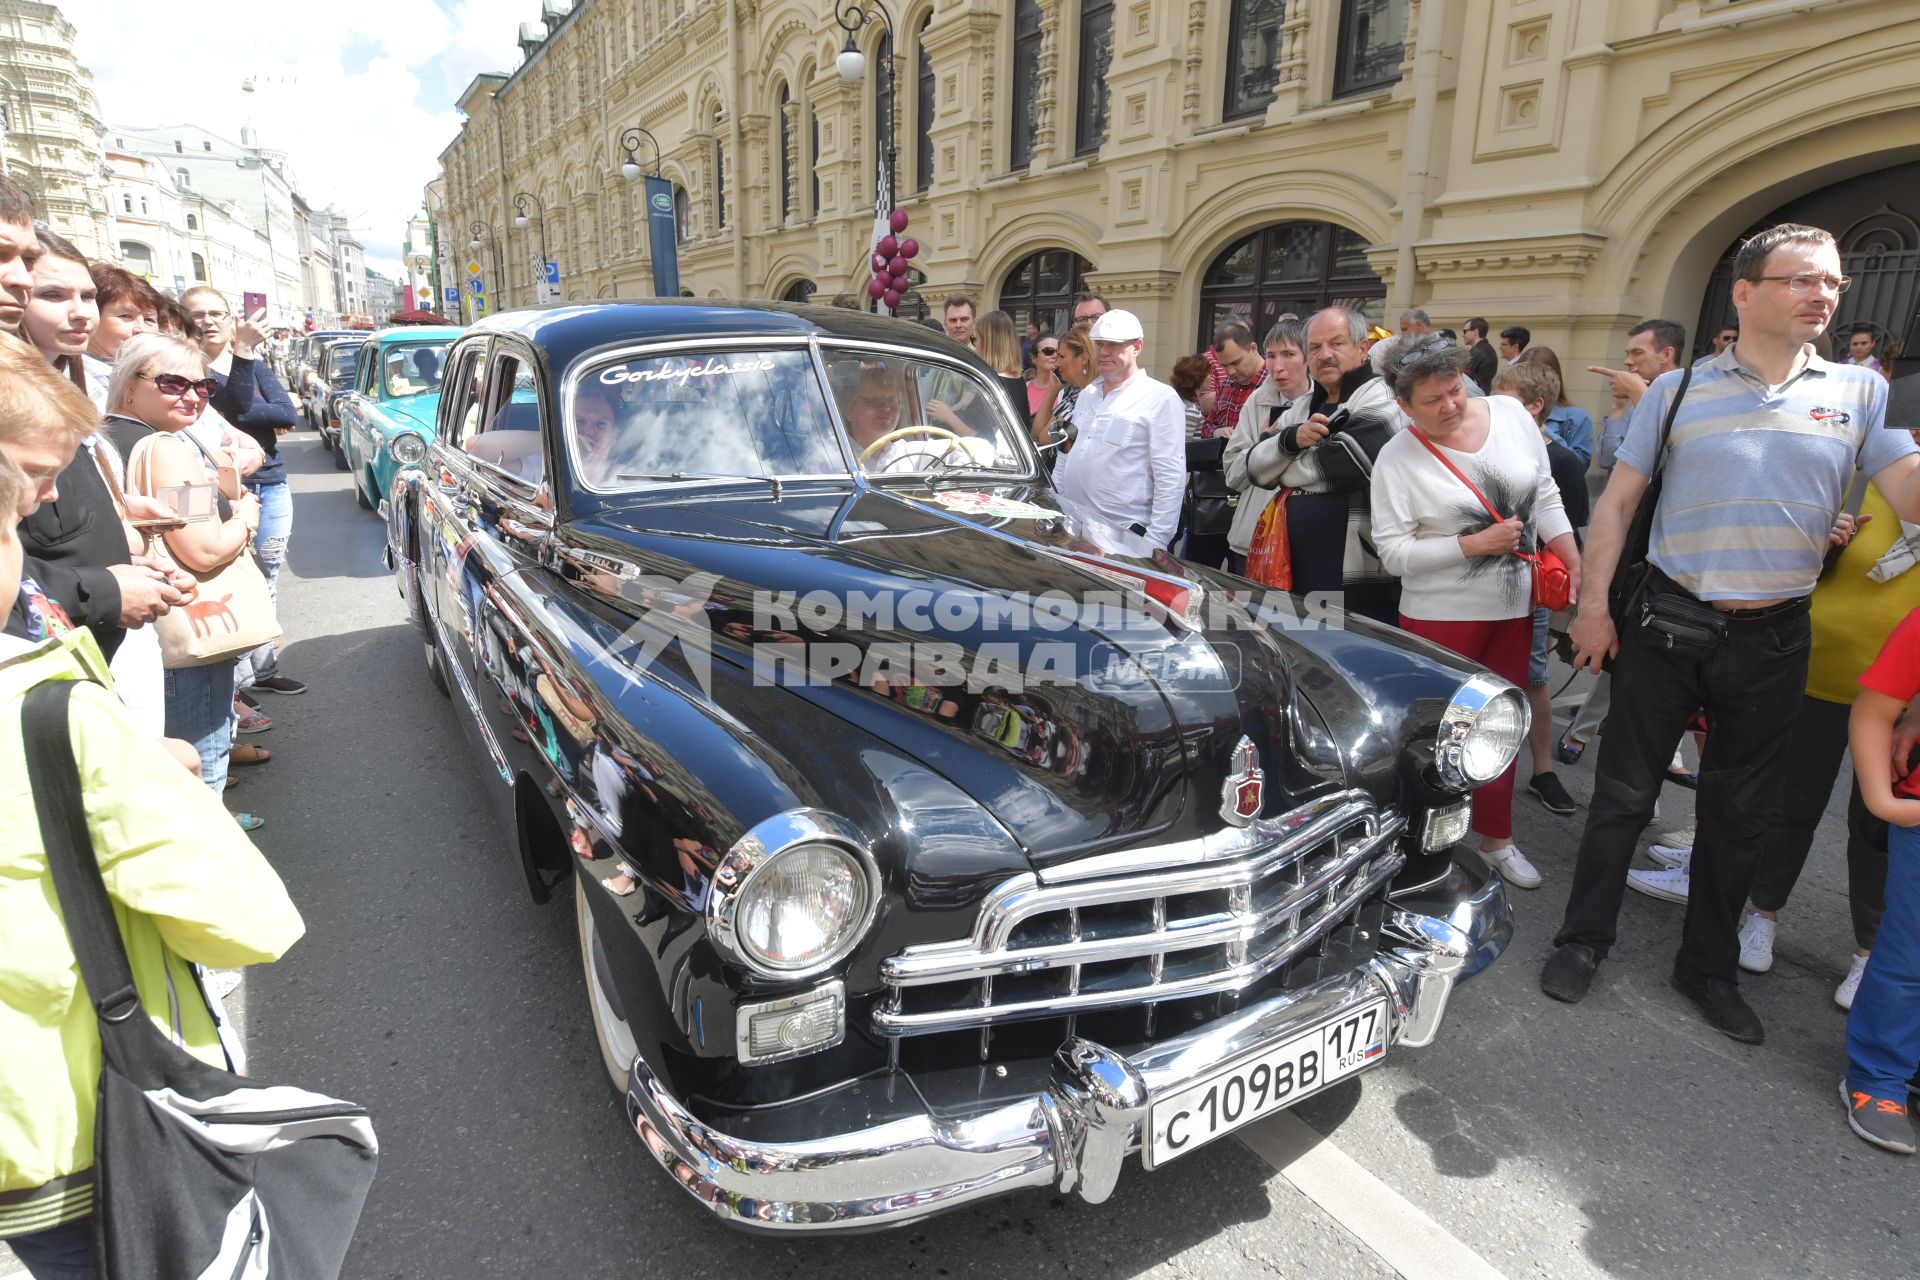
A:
(173, 384)
(1808, 281)
(206, 315)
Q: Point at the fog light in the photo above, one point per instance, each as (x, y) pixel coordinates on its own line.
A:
(793, 1025)
(1447, 827)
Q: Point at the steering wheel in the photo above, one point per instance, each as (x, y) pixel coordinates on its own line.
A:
(918, 429)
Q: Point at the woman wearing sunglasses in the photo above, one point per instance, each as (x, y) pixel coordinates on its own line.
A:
(1046, 356)
(160, 385)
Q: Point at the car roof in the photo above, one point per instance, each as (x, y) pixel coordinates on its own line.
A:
(417, 333)
(569, 329)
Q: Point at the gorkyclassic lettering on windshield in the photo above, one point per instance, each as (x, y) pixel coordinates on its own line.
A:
(713, 368)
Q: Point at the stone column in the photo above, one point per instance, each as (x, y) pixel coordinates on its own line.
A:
(1290, 92)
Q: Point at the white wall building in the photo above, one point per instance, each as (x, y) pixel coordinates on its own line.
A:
(50, 125)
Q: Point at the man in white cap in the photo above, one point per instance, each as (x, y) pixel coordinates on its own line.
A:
(1129, 462)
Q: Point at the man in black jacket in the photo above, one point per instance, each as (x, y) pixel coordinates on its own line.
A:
(1482, 364)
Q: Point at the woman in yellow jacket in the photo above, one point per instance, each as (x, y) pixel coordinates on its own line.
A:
(187, 885)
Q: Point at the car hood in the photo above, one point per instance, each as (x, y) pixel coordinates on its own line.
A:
(414, 413)
(1104, 728)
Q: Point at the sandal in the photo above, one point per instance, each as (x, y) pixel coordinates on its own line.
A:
(249, 821)
(232, 782)
(254, 722)
(246, 753)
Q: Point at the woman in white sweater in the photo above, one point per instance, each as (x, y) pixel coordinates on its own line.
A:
(1461, 582)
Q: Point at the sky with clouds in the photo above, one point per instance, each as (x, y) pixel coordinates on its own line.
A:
(358, 93)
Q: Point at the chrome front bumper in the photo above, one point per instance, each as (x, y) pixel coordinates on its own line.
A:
(1076, 1134)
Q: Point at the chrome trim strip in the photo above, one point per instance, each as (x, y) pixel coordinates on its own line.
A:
(1218, 846)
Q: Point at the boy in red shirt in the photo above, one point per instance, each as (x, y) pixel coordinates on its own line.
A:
(1883, 1028)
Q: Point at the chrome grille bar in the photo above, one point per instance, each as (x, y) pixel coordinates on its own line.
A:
(1155, 934)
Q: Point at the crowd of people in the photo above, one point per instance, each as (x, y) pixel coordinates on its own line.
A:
(1428, 481)
(143, 519)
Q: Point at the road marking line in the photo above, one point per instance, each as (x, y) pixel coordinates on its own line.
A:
(1381, 1218)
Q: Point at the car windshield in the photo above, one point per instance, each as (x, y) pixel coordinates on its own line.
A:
(413, 369)
(340, 361)
(908, 416)
(701, 415)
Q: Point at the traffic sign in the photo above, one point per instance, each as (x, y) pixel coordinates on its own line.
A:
(553, 273)
(451, 294)
(479, 287)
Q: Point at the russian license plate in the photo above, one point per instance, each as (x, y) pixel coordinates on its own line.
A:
(1265, 1081)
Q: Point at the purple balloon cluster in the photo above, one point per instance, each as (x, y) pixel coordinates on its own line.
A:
(890, 258)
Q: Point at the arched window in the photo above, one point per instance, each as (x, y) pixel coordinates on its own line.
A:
(1253, 56)
(682, 214)
(136, 257)
(782, 125)
(1373, 38)
(199, 269)
(1096, 54)
(1040, 289)
(183, 178)
(1026, 73)
(799, 291)
(719, 171)
(923, 114)
(883, 113)
(193, 222)
(1295, 267)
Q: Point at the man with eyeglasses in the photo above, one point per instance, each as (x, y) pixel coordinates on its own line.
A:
(1765, 443)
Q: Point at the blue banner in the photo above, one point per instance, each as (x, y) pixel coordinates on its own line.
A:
(662, 241)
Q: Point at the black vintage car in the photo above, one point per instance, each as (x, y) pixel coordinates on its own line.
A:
(927, 839)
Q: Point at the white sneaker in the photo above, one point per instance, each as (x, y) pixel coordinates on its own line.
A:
(1680, 839)
(1513, 865)
(1850, 985)
(1670, 884)
(1667, 855)
(1756, 943)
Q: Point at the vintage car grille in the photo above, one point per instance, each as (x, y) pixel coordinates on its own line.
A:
(1149, 936)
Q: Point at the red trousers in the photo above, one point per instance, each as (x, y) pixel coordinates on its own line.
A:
(1502, 647)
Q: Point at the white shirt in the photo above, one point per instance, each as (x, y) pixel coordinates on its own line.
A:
(1421, 510)
(1129, 459)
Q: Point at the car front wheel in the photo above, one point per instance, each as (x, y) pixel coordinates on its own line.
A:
(610, 1031)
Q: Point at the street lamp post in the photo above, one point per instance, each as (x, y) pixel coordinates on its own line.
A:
(424, 265)
(852, 15)
(630, 142)
(520, 206)
(477, 231)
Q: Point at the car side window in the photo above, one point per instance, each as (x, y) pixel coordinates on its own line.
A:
(460, 402)
(509, 420)
(363, 378)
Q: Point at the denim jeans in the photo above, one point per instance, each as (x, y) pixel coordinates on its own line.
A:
(200, 710)
(1883, 1027)
(58, 1253)
(1751, 687)
(270, 544)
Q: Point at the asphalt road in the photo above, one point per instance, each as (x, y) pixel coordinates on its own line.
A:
(1621, 1137)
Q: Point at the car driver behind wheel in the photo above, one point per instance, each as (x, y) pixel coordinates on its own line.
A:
(875, 411)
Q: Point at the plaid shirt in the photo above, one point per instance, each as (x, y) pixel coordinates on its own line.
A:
(1229, 394)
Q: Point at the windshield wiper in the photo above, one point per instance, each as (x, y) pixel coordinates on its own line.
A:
(626, 476)
(972, 473)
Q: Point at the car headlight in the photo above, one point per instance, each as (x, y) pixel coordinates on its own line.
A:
(794, 895)
(1482, 730)
(407, 448)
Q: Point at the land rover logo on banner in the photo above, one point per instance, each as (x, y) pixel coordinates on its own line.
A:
(663, 202)
(1245, 785)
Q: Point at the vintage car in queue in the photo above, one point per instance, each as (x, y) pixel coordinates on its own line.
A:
(387, 416)
(337, 362)
(865, 939)
(303, 363)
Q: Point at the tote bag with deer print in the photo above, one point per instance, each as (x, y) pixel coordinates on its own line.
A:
(230, 612)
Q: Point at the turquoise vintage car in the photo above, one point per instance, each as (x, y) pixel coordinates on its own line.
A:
(386, 421)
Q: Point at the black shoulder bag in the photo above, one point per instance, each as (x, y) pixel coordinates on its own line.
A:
(1210, 501)
(1629, 583)
(197, 1171)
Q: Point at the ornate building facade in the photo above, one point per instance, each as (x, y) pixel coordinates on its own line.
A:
(50, 133)
(1568, 167)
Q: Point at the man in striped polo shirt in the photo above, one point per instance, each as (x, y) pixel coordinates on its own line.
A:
(1764, 446)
